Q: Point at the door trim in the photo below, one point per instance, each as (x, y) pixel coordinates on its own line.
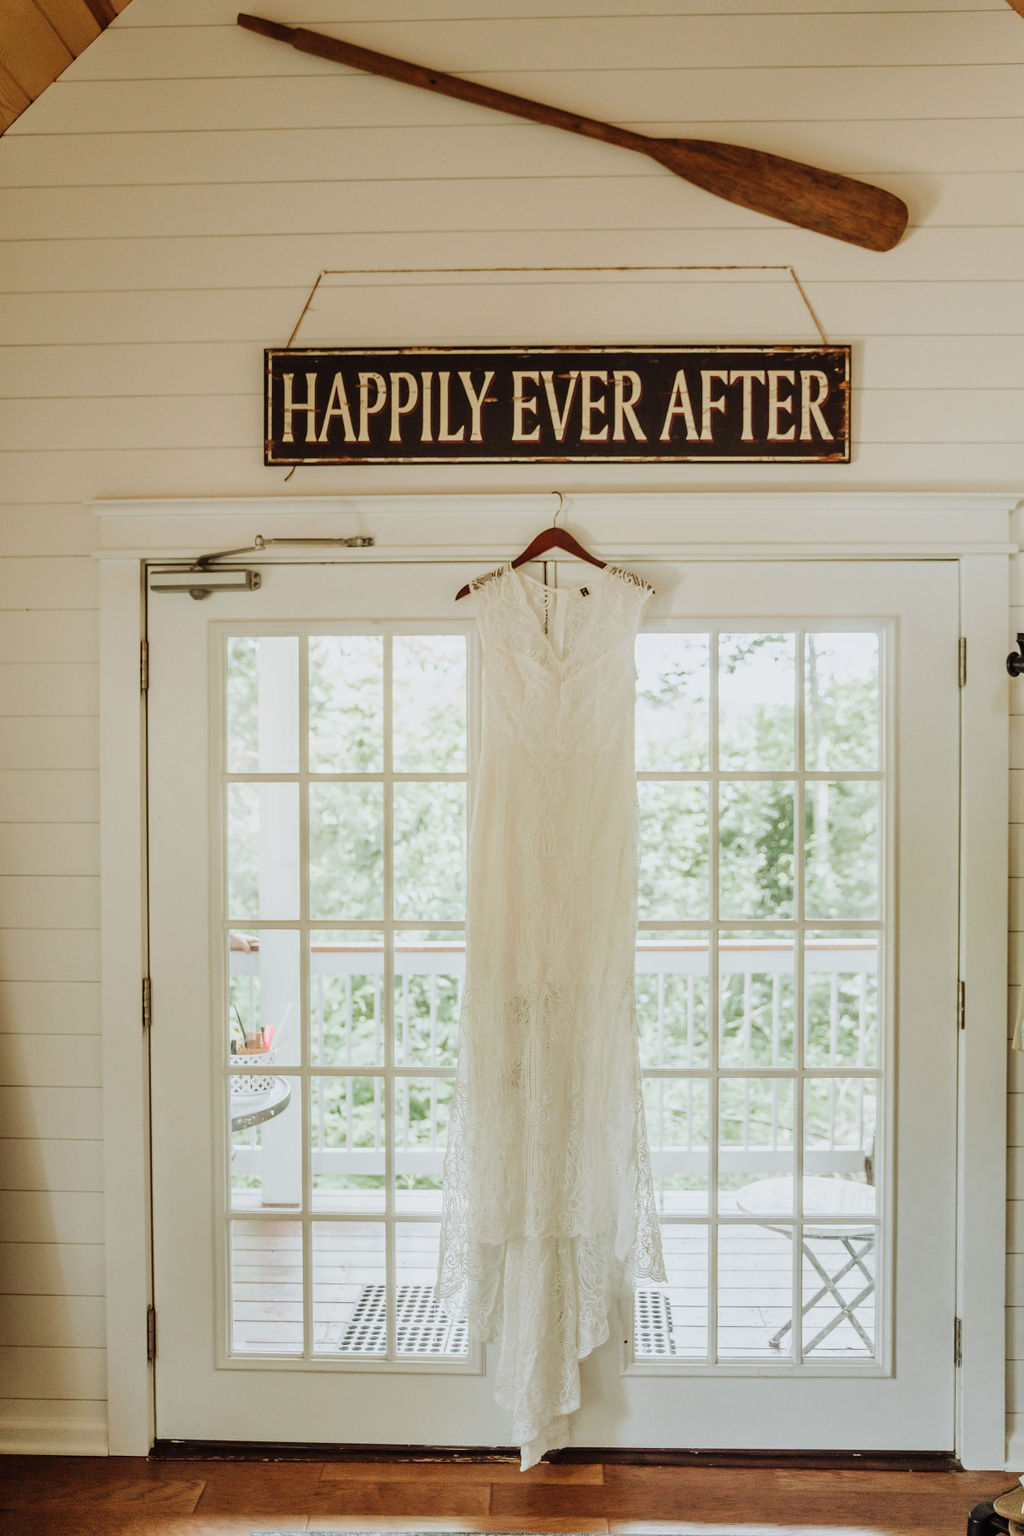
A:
(974, 529)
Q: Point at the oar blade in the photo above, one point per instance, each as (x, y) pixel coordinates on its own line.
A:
(785, 189)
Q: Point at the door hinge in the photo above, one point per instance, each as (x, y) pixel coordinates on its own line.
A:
(961, 1005)
(144, 666)
(147, 1003)
(962, 661)
(958, 1343)
(151, 1333)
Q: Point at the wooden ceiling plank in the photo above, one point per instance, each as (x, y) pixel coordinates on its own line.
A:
(13, 99)
(30, 49)
(1017, 5)
(73, 22)
(102, 10)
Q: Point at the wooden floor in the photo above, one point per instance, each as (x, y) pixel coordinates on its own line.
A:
(120, 1496)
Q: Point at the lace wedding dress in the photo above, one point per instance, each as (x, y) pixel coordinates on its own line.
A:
(548, 1206)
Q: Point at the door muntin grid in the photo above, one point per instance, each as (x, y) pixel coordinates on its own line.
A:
(763, 976)
(374, 977)
(342, 813)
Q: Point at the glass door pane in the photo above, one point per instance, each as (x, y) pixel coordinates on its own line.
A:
(319, 931)
(761, 764)
(344, 792)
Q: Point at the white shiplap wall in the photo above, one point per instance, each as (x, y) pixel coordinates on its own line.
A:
(164, 210)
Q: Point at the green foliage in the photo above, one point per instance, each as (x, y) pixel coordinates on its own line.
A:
(755, 836)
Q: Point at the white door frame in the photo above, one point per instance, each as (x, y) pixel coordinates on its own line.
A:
(972, 529)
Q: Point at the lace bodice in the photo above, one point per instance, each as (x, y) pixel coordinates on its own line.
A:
(548, 1205)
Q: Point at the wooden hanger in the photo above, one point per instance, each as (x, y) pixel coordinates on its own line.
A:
(550, 538)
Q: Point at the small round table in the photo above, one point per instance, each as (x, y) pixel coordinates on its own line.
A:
(249, 1109)
(844, 1198)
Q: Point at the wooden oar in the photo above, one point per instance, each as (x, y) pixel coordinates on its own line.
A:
(784, 189)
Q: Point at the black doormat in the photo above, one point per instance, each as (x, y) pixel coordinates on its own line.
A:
(421, 1327)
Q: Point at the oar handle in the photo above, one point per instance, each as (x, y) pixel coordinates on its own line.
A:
(374, 63)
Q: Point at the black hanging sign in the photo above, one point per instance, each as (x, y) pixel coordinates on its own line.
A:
(558, 405)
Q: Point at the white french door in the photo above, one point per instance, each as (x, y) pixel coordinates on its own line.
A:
(311, 751)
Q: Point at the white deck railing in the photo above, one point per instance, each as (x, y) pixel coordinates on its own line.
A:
(756, 978)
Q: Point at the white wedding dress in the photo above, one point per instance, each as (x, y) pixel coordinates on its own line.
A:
(548, 1207)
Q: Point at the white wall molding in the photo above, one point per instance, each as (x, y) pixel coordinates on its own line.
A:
(981, 1220)
(984, 567)
(53, 1434)
(125, 1050)
(690, 524)
(1015, 1444)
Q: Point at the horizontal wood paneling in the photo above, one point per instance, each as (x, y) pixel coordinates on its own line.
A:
(49, 901)
(1015, 1385)
(41, 848)
(41, 1372)
(1015, 1332)
(660, 101)
(49, 1008)
(69, 1059)
(34, 636)
(46, 954)
(201, 339)
(53, 1114)
(1014, 1236)
(240, 472)
(290, 259)
(884, 415)
(31, 795)
(51, 1269)
(615, 197)
(59, 531)
(50, 742)
(28, 1163)
(214, 341)
(44, 688)
(1015, 1120)
(223, 368)
(53, 582)
(505, 148)
(200, 13)
(50, 1216)
(497, 311)
(558, 43)
(53, 1322)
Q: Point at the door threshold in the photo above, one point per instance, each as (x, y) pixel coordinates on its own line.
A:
(824, 1461)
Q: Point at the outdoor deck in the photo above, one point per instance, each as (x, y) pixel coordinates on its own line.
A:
(755, 1282)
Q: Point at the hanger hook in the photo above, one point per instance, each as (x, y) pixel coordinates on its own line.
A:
(558, 509)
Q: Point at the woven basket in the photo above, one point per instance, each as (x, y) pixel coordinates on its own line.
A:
(247, 1085)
